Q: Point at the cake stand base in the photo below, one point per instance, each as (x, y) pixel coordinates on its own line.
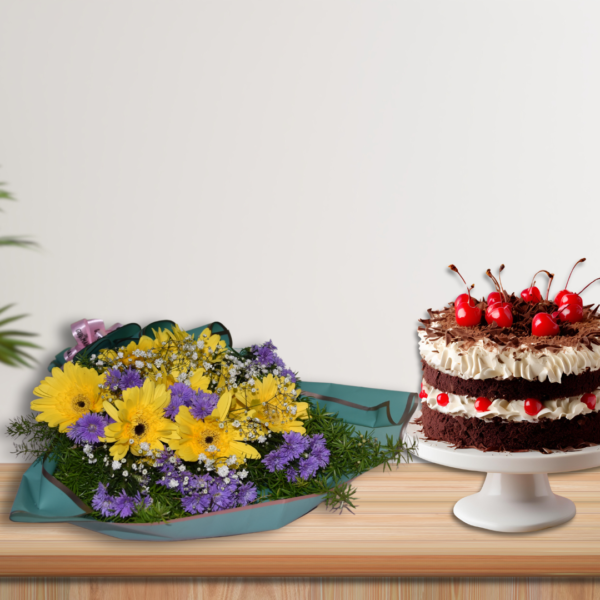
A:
(515, 503)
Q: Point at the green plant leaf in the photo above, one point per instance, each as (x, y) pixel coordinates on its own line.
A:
(12, 344)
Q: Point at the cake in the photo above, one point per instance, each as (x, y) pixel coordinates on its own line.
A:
(512, 373)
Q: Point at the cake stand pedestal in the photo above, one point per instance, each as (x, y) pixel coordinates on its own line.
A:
(516, 494)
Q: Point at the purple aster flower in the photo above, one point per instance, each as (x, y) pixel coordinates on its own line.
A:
(308, 467)
(140, 500)
(102, 501)
(274, 461)
(222, 497)
(295, 444)
(88, 429)
(123, 505)
(246, 494)
(130, 378)
(289, 373)
(181, 395)
(203, 404)
(291, 474)
(321, 455)
(196, 503)
(266, 356)
(113, 379)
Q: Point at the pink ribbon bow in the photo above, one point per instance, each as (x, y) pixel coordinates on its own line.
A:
(86, 332)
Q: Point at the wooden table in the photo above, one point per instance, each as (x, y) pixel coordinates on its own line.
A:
(403, 527)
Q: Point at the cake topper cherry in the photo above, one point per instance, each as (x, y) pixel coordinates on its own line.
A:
(544, 325)
(589, 400)
(466, 312)
(532, 294)
(532, 406)
(560, 294)
(499, 312)
(573, 313)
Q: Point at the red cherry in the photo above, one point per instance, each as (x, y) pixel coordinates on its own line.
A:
(482, 404)
(443, 399)
(531, 294)
(499, 313)
(494, 297)
(573, 313)
(467, 316)
(544, 324)
(570, 298)
(464, 299)
(560, 295)
(422, 393)
(533, 406)
(589, 400)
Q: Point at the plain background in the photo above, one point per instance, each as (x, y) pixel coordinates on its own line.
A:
(302, 171)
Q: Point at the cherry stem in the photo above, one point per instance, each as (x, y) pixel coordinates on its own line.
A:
(588, 285)
(453, 268)
(500, 281)
(540, 271)
(489, 274)
(550, 280)
(571, 273)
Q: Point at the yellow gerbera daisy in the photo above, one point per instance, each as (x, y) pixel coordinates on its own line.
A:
(207, 437)
(139, 419)
(274, 404)
(67, 395)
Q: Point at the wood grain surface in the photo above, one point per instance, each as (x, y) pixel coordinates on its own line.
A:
(403, 526)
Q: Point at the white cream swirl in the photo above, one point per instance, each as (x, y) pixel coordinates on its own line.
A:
(511, 410)
(502, 363)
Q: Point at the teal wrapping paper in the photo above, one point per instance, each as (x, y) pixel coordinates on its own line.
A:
(43, 499)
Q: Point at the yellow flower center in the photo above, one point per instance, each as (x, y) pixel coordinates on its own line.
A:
(81, 403)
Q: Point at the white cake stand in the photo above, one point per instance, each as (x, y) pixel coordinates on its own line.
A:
(516, 494)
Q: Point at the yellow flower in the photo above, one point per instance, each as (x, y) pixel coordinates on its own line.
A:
(139, 419)
(209, 438)
(274, 404)
(67, 395)
(200, 381)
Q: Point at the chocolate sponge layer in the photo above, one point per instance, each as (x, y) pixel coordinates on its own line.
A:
(497, 434)
(513, 389)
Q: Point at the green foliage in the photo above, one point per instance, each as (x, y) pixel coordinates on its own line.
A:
(13, 342)
(19, 241)
(38, 440)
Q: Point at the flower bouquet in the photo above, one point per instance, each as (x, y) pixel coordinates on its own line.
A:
(165, 434)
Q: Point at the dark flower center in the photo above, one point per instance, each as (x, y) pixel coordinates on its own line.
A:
(209, 439)
(80, 403)
(139, 429)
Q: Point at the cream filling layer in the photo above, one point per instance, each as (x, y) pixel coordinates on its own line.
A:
(511, 410)
(503, 363)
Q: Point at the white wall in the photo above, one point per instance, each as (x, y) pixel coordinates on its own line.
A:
(301, 170)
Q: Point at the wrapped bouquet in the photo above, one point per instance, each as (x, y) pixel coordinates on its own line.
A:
(157, 425)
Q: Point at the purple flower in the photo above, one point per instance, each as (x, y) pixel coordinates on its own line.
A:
(130, 378)
(291, 475)
(123, 505)
(203, 404)
(308, 467)
(246, 494)
(102, 501)
(88, 429)
(196, 503)
(113, 379)
(181, 395)
(274, 461)
(289, 373)
(321, 455)
(266, 356)
(222, 497)
(295, 444)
